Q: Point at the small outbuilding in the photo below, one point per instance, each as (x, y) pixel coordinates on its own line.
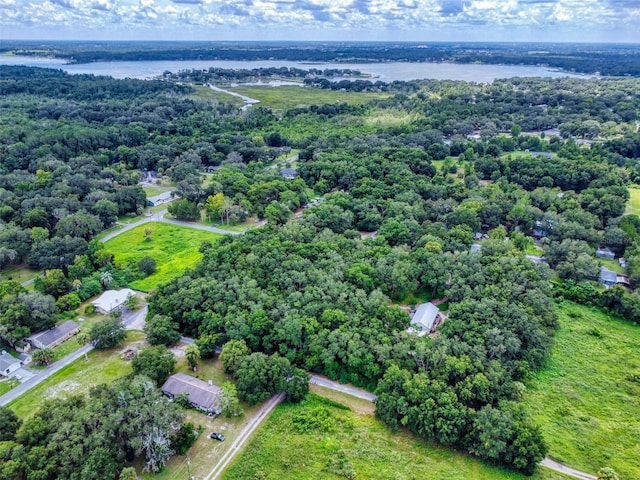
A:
(112, 300)
(202, 395)
(8, 364)
(425, 319)
(54, 336)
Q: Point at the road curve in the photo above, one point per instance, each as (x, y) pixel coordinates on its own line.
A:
(246, 432)
(562, 468)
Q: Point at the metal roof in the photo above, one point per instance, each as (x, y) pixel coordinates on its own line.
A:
(200, 393)
(6, 361)
(51, 336)
(425, 317)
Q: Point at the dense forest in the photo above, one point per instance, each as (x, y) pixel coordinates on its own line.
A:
(403, 185)
(610, 59)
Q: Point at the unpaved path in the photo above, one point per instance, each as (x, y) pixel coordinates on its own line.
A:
(246, 432)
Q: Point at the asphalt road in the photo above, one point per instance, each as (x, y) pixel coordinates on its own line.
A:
(43, 375)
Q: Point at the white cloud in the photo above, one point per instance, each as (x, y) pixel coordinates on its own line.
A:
(291, 19)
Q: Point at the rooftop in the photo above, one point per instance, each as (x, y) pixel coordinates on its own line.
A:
(112, 299)
(200, 393)
(425, 317)
(50, 336)
(6, 361)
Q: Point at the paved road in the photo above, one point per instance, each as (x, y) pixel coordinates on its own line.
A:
(43, 375)
(135, 320)
(246, 432)
(357, 392)
(348, 389)
(559, 467)
(159, 217)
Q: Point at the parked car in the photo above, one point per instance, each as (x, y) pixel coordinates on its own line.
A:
(217, 436)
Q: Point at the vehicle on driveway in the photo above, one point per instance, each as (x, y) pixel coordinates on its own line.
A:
(217, 436)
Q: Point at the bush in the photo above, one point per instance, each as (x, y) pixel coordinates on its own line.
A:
(68, 302)
(90, 309)
(184, 438)
(147, 265)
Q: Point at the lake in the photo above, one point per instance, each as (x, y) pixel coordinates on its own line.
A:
(387, 72)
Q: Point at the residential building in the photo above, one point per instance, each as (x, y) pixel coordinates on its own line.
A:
(425, 319)
(112, 300)
(201, 395)
(608, 277)
(605, 253)
(160, 199)
(8, 364)
(289, 173)
(55, 336)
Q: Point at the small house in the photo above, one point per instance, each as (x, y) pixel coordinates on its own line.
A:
(608, 277)
(288, 173)
(160, 199)
(202, 395)
(623, 262)
(8, 364)
(55, 336)
(476, 247)
(537, 259)
(605, 253)
(425, 319)
(112, 300)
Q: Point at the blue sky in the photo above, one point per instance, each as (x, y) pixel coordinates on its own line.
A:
(323, 20)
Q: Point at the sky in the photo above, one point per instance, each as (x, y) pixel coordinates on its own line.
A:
(323, 20)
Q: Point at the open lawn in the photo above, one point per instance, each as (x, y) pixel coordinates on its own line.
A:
(587, 399)
(19, 273)
(322, 439)
(281, 98)
(174, 248)
(153, 191)
(633, 205)
(103, 366)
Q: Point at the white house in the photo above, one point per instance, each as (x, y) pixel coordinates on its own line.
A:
(160, 199)
(8, 364)
(112, 300)
(426, 319)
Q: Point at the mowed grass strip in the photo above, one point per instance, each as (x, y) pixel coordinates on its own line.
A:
(633, 205)
(320, 439)
(104, 366)
(281, 98)
(587, 400)
(175, 250)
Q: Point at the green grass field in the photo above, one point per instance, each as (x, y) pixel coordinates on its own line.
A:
(153, 191)
(281, 98)
(174, 248)
(19, 273)
(587, 400)
(633, 205)
(347, 444)
(104, 366)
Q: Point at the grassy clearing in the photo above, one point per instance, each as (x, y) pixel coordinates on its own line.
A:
(174, 248)
(633, 205)
(104, 366)
(391, 118)
(611, 265)
(587, 400)
(153, 191)
(19, 273)
(350, 442)
(284, 97)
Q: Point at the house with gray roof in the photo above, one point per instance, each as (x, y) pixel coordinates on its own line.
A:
(605, 253)
(289, 173)
(112, 300)
(608, 277)
(202, 395)
(425, 319)
(8, 364)
(55, 336)
(160, 199)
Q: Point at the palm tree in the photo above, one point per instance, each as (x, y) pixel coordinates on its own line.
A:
(106, 278)
(83, 338)
(43, 356)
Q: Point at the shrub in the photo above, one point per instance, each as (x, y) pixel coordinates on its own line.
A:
(147, 265)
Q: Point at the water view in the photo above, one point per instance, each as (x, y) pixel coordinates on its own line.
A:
(387, 72)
